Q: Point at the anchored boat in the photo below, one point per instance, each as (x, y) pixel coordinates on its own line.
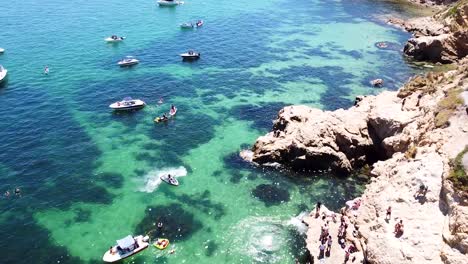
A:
(190, 25)
(3, 73)
(128, 61)
(190, 55)
(114, 38)
(127, 104)
(125, 248)
(169, 2)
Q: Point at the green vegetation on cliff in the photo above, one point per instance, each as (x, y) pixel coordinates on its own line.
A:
(458, 174)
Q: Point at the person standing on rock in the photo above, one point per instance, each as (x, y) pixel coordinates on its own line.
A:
(388, 216)
(329, 244)
(322, 250)
(317, 209)
(346, 256)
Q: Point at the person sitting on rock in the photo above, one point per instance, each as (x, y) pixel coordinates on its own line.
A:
(422, 190)
(399, 227)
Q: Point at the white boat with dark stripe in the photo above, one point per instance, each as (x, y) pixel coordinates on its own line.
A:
(127, 104)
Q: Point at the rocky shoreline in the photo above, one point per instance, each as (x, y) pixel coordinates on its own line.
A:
(441, 38)
(410, 139)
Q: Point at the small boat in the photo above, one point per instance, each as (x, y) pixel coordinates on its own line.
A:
(190, 25)
(161, 119)
(170, 180)
(169, 2)
(128, 61)
(127, 104)
(190, 55)
(114, 38)
(161, 243)
(2, 50)
(381, 45)
(377, 82)
(173, 111)
(125, 248)
(3, 73)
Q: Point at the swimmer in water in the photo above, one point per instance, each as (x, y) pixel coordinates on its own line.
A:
(46, 70)
(17, 191)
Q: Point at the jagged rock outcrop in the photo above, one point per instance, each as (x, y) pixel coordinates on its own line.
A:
(416, 132)
(442, 38)
(342, 140)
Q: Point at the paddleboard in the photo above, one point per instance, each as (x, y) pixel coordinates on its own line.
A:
(173, 112)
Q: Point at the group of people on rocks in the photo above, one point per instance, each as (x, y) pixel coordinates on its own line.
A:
(326, 240)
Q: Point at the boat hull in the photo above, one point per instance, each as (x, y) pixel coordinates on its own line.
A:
(3, 75)
(121, 106)
(110, 258)
(169, 3)
(127, 64)
(187, 56)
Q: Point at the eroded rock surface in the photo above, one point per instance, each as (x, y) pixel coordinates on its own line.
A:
(414, 134)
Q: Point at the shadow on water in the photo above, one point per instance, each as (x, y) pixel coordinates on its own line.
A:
(177, 224)
(200, 201)
(260, 115)
(271, 194)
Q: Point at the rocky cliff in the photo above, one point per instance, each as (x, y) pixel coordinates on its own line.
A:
(410, 138)
(441, 38)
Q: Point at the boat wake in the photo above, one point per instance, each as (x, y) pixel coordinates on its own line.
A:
(153, 179)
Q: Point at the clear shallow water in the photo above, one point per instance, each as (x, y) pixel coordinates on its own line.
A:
(89, 176)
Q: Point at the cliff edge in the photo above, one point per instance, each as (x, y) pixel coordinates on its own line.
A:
(411, 138)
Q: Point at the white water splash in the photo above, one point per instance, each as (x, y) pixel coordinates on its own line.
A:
(153, 179)
(260, 238)
(298, 224)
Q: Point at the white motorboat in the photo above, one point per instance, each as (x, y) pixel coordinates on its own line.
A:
(2, 50)
(169, 2)
(127, 104)
(114, 39)
(3, 73)
(125, 248)
(128, 61)
(190, 55)
(190, 25)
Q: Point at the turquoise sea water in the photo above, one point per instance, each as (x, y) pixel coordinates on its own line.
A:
(89, 176)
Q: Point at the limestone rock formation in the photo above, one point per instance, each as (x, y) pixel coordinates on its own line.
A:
(414, 133)
(442, 38)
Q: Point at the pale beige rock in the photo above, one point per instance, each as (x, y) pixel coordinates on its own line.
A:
(417, 152)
